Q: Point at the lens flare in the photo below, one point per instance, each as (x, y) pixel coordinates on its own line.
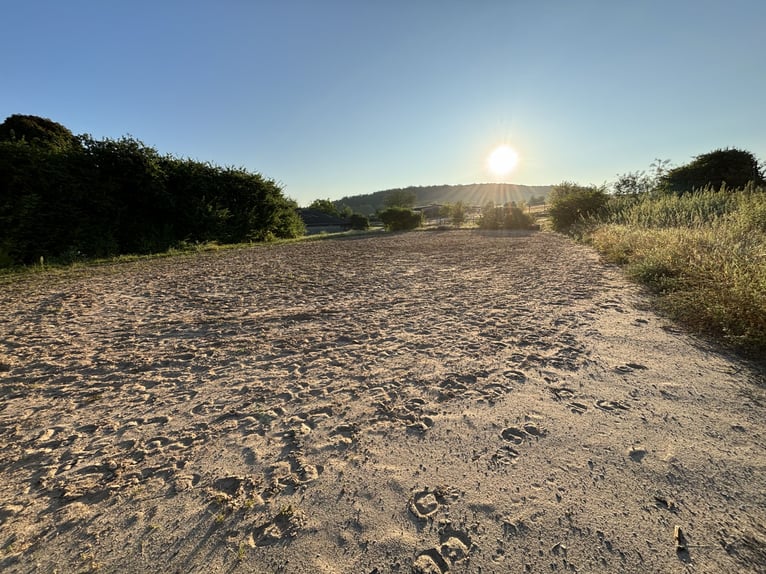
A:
(502, 160)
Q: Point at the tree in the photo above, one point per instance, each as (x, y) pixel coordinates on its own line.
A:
(345, 211)
(504, 217)
(633, 183)
(400, 219)
(733, 167)
(36, 131)
(359, 221)
(571, 203)
(64, 199)
(325, 206)
(400, 198)
(458, 214)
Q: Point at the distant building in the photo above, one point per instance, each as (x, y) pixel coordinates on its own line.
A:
(318, 222)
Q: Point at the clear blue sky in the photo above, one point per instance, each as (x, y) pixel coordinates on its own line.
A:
(341, 97)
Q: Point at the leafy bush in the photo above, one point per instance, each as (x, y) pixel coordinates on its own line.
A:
(571, 204)
(359, 222)
(325, 206)
(400, 198)
(37, 131)
(731, 167)
(504, 217)
(62, 195)
(400, 219)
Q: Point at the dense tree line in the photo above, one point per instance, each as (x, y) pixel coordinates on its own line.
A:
(64, 196)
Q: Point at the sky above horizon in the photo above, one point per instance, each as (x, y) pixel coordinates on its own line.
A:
(343, 97)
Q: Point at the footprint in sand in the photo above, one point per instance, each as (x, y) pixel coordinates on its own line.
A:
(514, 435)
(285, 525)
(637, 454)
(518, 435)
(430, 562)
(611, 405)
(455, 544)
(504, 456)
(577, 408)
(424, 504)
(184, 482)
(630, 367)
(534, 430)
(562, 393)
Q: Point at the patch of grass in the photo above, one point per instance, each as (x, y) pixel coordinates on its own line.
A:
(703, 255)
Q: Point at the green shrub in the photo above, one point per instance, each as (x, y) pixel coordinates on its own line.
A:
(571, 204)
(359, 221)
(400, 219)
(734, 168)
(68, 197)
(504, 217)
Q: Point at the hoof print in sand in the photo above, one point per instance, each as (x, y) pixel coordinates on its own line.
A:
(424, 504)
(503, 457)
(430, 562)
(184, 482)
(611, 406)
(577, 408)
(562, 393)
(345, 434)
(637, 454)
(514, 435)
(455, 544)
(233, 485)
(518, 435)
(533, 429)
(630, 367)
(421, 426)
(284, 526)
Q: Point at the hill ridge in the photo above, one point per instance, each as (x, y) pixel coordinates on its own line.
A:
(471, 194)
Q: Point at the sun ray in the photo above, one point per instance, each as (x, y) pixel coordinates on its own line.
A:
(502, 160)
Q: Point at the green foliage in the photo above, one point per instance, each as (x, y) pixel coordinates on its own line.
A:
(344, 211)
(359, 222)
(99, 198)
(400, 198)
(400, 219)
(325, 206)
(633, 183)
(571, 204)
(37, 131)
(704, 256)
(504, 217)
(458, 214)
(639, 182)
(731, 167)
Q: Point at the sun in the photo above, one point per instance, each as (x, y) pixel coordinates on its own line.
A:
(502, 160)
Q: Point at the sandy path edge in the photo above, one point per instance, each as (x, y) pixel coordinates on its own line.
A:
(425, 402)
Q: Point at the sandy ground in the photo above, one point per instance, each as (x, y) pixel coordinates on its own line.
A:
(429, 402)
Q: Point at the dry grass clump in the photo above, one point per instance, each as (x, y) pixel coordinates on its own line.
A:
(705, 256)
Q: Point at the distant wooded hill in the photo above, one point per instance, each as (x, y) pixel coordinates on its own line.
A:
(469, 194)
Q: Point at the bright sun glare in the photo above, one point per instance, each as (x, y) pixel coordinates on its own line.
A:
(502, 160)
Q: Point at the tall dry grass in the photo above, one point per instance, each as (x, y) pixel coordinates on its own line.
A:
(704, 254)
